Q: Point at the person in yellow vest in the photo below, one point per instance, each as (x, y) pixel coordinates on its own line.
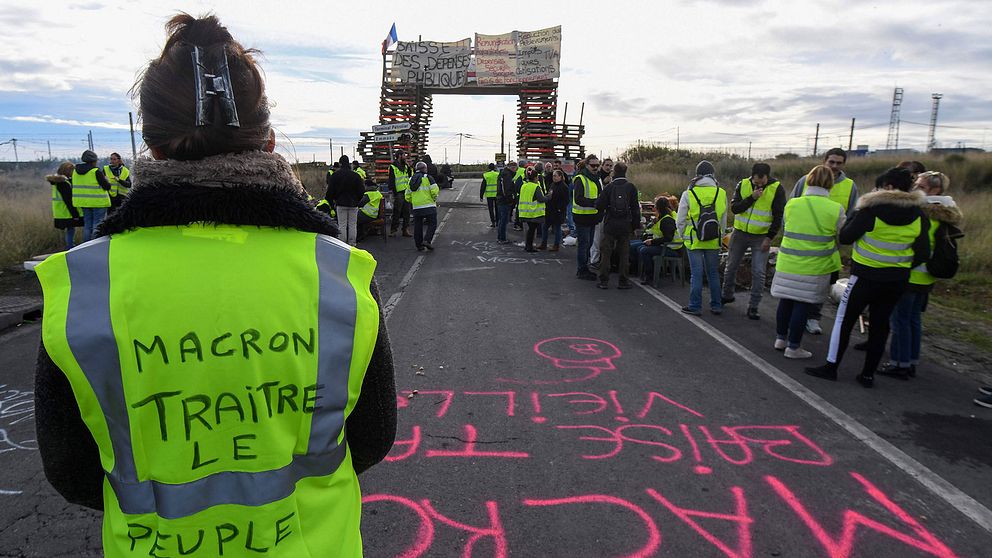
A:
(701, 221)
(399, 181)
(65, 215)
(90, 192)
(518, 178)
(531, 206)
(368, 209)
(214, 368)
(487, 191)
(758, 204)
(806, 260)
(890, 234)
(660, 239)
(585, 192)
(357, 167)
(119, 177)
(422, 197)
(844, 192)
(907, 319)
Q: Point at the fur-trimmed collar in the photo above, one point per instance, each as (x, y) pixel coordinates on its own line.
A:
(56, 178)
(252, 188)
(892, 197)
(943, 209)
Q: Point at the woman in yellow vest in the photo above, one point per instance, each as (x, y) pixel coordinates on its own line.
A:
(807, 258)
(218, 371)
(907, 318)
(66, 216)
(531, 206)
(890, 236)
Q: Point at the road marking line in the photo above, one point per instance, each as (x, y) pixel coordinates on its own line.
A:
(933, 482)
(387, 310)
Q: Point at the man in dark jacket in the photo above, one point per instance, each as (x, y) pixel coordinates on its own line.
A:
(759, 204)
(621, 217)
(399, 180)
(586, 189)
(507, 191)
(345, 189)
(890, 234)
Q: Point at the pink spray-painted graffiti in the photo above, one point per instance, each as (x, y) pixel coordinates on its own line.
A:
(582, 358)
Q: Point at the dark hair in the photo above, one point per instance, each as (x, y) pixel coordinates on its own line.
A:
(118, 155)
(915, 167)
(607, 159)
(620, 170)
(835, 151)
(532, 172)
(492, 166)
(167, 101)
(761, 169)
(558, 172)
(900, 178)
(661, 204)
(344, 160)
(590, 157)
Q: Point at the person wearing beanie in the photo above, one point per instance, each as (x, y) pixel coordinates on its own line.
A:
(704, 255)
(90, 192)
(345, 189)
(890, 234)
(400, 172)
(844, 192)
(487, 191)
(758, 204)
(422, 197)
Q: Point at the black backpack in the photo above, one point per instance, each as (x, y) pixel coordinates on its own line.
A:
(708, 225)
(618, 219)
(944, 261)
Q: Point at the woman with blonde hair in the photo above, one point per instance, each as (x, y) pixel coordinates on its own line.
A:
(66, 216)
(806, 259)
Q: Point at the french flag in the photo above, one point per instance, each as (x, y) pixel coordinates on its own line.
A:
(390, 39)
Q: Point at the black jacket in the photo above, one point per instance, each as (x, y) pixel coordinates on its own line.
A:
(63, 185)
(617, 187)
(579, 191)
(507, 187)
(894, 208)
(251, 188)
(557, 205)
(741, 204)
(345, 188)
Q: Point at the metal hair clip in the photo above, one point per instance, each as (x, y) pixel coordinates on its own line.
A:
(209, 86)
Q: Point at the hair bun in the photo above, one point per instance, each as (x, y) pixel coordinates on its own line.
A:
(202, 32)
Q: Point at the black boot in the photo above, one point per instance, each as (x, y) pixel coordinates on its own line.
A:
(827, 371)
(866, 381)
(894, 371)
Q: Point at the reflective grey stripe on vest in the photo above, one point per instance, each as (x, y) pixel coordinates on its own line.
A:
(91, 339)
(808, 237)
(760, 212)
(882, 245)
(807, 253)
(880, 257)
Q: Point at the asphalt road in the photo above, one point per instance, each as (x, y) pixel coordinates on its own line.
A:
(540, 416)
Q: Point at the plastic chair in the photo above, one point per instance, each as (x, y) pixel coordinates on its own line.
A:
(669, 266)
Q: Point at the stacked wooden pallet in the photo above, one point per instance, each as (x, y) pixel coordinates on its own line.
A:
(537, 110)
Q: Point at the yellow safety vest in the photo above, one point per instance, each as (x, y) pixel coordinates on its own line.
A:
(528, 207)
(655, 232)
(887, 245)
(87, 192)
(60, 209)
(372, 208)
(590, 188)
(424, 196)
(491, 178)
(920, 275)
(706, 195)
(809, 243)
(758, 218)
(401, 178)
(361, 172)
(840, 192)
(217, 397)
(115, 182)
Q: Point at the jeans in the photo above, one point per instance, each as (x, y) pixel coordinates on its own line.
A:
(584, 236)
(790, 321)
(532, 228)
(426, 215)
(348, 224)
(739, 243)
(568, 210)
(646, 254)
(401, 210)
(907, 326)
(503, 217)
(91, 218)
(70, 237)
(704, 261)
(491, 205)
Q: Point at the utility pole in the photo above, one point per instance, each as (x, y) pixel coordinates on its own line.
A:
(134, 149)
(49, 149)
(749, 150)
(460, 150)
(677, 138)
(502, 133)
(89, 139)
(850, 138)
(342, 151)
(331, 160)
(16, 161)
(816, 139)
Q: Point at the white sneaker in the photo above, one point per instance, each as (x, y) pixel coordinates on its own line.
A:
(780, 344)
(797, 353)
(813, 326)
(569, 241)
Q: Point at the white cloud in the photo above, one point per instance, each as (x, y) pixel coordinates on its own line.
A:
(47, 119)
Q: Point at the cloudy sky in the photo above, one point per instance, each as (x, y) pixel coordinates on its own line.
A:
(708, 73)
